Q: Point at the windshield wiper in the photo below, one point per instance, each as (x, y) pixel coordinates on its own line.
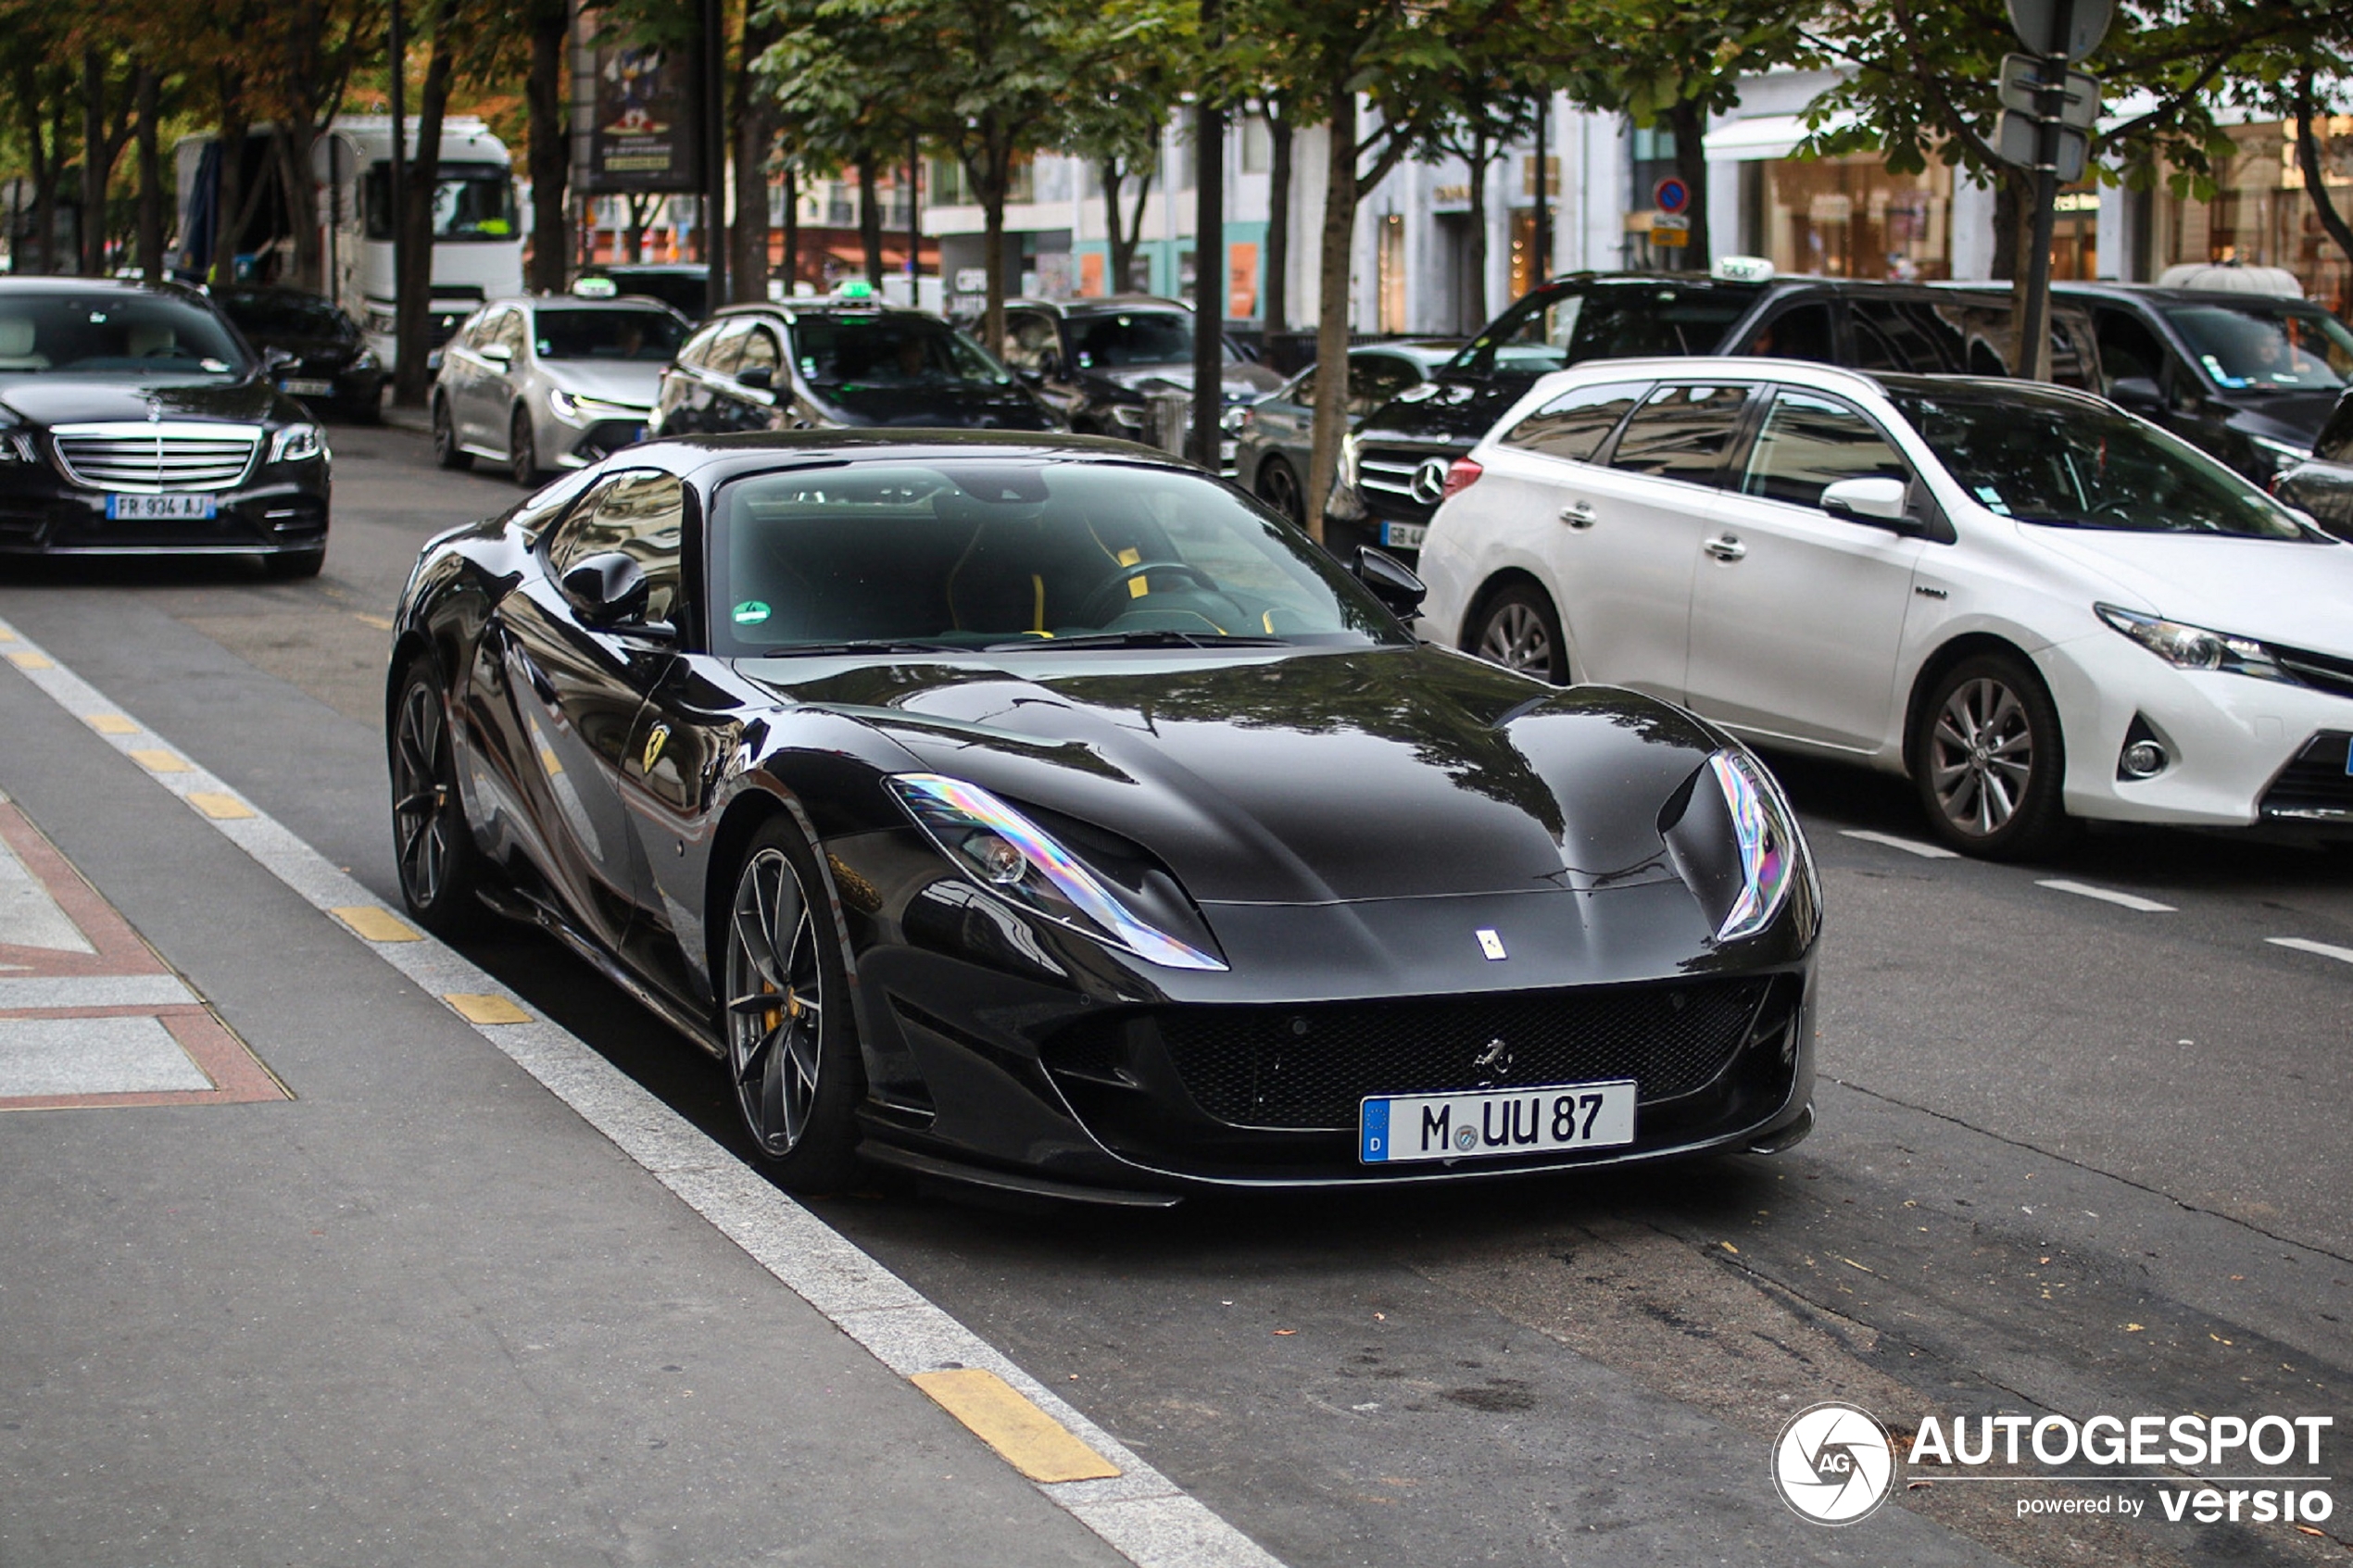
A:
(1161, 639)
(868, 645)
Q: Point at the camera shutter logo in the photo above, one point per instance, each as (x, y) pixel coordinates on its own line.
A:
(1833, 1463)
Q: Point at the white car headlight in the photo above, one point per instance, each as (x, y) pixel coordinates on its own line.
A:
(1011, 857)
(297, 444)
(1736, 845)
(1127, 415)
(574, 408)
(2195, 647)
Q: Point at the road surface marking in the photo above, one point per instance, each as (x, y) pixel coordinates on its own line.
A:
(2304, 944)
(31, 661)
(156, 760)
(375, 924)
(486, 1007)
(112, 724)
(1909, 846)
(1026, 1437)
(1140, 1514)
(2107, 896)
(381, 622)
(219, 805)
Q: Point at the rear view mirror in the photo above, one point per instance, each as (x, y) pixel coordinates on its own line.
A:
(757, 378)
(2138, 393)
(1869, 499)
(1396, 588)
(609, 590)
(497, 353)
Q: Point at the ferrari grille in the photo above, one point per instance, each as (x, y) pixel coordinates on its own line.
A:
(142, 457)
(1305, 1067)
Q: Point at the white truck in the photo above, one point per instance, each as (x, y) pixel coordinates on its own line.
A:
(477, 230)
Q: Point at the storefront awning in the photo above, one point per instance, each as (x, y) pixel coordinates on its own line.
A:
(1761, 136)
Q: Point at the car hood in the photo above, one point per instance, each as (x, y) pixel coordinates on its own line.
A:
(49, 399)
(1300, 776)
(972, 407)
(2293, 416)
(634, 383)
(2279, 591)
(1242, 382)
(310, 347)
(1446, 411)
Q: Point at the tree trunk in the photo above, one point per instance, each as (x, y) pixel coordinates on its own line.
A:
(1688, 121)
(93, 260)
(792, 227)
(747, 263)
(2013, 213)
(412, 324)
(632, 236)
(296, 141)
(2308, 159)
(1122, 252)
(1476, 262)
(149, 94)
(870, 222)
(994, 177)
(549, 160)
(229, 193)
(1332, 299)
(1275, 312)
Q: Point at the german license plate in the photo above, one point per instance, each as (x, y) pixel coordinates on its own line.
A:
(162, 508)
(1492, 1123)
(308, 388)
(1404, 535)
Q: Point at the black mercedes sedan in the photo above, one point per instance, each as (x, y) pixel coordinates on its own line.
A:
(134, 421)
(1042, 813)
(322, 359)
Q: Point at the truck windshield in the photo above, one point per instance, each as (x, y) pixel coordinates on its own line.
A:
(471, 201)
(1558, 327)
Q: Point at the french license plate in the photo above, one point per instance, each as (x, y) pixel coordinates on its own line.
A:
(308, 388)
(1490, 1123)
(162, 508)
(1404, 535)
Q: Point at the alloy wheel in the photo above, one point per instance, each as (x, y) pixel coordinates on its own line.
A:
(776, 1002)
(422, 794)
(1517, 638)
(1982, 755)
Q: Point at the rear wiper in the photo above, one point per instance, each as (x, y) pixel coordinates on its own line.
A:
(1161, 639)
(868, 645)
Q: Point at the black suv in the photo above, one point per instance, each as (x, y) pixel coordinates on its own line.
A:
(1095, 360)
(811, 364)
(2322, 484)
(1393, 467)
(2249, 377)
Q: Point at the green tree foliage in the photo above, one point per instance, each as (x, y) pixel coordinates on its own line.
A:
(1117, 126)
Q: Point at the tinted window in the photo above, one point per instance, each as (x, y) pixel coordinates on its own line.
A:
(641, 515)
(632, 336)
(106, 332)
(1680, 432)
(1574, 424)
(697, 347)
(2336, 444)
(2254, 348)
(761, 348)
(2088, 466)
(1559, 327)
(1132, 337)
(1904, 335)
(1809, 442)
(2128, 348)
(726, 350)
(1029, 337)
(1803, 331)
(1374, 379)
(267, 313)
(851, 352)
(981, 551)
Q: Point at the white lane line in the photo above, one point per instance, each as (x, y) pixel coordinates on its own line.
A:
(1909, 846)
(2305, 945)
(1144, 1516)
(2108, 895)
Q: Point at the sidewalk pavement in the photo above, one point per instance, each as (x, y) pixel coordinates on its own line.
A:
(298, 1268)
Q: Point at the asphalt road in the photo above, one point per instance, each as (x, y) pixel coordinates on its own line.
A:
(2074, 1156)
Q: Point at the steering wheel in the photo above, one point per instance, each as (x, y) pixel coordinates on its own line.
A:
(1090, 612)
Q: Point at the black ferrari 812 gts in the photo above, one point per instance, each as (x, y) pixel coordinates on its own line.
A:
(1045, 813)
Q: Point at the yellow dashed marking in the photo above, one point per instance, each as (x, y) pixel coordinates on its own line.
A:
(111, 723)
(219, 808)
(1023, 1435)
(7, 635)
(31, 661)
(375, 924)
(381, 622)
(485, 1009)
(157, 760)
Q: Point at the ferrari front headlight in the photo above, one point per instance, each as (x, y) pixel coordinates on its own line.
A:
(1014, 857)
(1735, 845)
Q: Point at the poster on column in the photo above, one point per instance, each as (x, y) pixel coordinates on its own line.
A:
(644, 135)
(1241, 281)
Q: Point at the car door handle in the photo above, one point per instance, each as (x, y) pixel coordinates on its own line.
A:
(1726, 547)
(1579, 515)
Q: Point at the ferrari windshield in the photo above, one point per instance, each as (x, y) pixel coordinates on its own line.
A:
(2080, 466)
(108, 332)
(1030, 552)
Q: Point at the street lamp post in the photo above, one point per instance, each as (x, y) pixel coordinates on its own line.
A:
(714, 143)
(1209, 266)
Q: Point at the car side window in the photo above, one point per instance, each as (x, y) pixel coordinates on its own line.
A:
(759, 348)
(1302, 391)
(1030, 338)
(642, 514)
(1682, 431)
(512, 333)
(1574, 424)
(1810, 441)
(2127, 349)
(1374, 379)
(2335, 442)
(695, 350)
(726, 350)
(1803, 331)
(1904, 335)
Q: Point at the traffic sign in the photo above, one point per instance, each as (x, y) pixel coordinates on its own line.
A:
(2014, 142)
(2021, 86)
(1671, 196)
(2036, 22)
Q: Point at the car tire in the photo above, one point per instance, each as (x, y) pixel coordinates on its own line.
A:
(522, 449)
(295, 564)
(1989, 760)
(797, 1083)
(446, 451)
(1278, 487)
(1518, 628)
(442, 870)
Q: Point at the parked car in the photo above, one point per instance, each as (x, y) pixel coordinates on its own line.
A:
(684, 286)
(1393, 469)
(773, 729)
(808, 364)
(1274, 435)
(135, 420)
(327, 363)
(2037, 606)
(2249, 376)
(2322, 484)
(1094, 361)
(542, 383)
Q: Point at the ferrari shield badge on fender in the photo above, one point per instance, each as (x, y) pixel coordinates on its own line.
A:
(655, 741)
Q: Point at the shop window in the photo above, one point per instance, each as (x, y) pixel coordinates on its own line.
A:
(1850, 218)
(1391, 265)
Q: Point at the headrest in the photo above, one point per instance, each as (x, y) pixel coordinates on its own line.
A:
(145, 338)
(15, 335)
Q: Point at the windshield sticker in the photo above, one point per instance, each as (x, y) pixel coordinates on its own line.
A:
(752, 613)
(1992, 499)
(2214, 368)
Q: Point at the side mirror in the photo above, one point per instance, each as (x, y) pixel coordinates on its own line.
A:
(2138, 393)
(1386, 576)
(609, 590)
(1873, 499)
(497, 353)
(276, 359)
(1050, 366)
(757, 378)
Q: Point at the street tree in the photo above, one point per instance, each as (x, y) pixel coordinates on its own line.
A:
(1487, 113)
(1118, 127)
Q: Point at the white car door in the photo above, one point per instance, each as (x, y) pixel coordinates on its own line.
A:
(1797, 615)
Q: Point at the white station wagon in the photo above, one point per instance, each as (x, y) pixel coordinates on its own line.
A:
(2036, 605)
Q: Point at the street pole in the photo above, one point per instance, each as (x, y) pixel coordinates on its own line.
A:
(397, 45)
(2034, 328)
(714, 145)
(1209, 266)
(1539, 242)
(915, 220)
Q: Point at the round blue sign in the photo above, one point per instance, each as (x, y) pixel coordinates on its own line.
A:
(1671, 196)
